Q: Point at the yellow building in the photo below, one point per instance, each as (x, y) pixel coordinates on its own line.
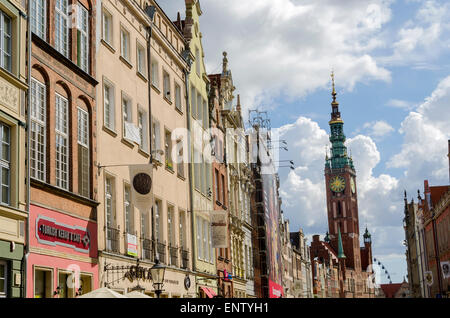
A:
(13, 194)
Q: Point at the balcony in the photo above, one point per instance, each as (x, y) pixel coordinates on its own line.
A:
(173, 252)
(184, 259)
(112, 240)
(148, 248)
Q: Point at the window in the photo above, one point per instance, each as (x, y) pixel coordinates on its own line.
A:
(156, 135)
(168, 150)
(126, 114)
(205, 236)
(216, 183)
(5, 41)
(183, 235)
(62, 27)
(38, 129)
(108, 106)
(66, 283)
(125, 44)
(171, 226)
(211, 250)
(85, 283)
(180, 159)
(144, 225)
(197, 60)
(83, 38)
(107, 27)
(197, 168)
(223, 190)
(199, 238)
(143, 132)
(127, 207)
(62, 142)
(199, 109)
(205, 115)
(3, 283)
(166, 85)
(178, 97)
(155, 74)
(43, 283)
(5, 160)
(83, 153)
(203, 176)
(38, 17)
(159, 234)
(193, 102)
(109, 202)
(141, 60)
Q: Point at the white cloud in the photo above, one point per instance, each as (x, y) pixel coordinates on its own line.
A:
(398, 103)
(287, 48)
(378, 128)
(426, 131)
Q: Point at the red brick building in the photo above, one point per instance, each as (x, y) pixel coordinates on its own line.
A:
(63, 150)
(220, 180)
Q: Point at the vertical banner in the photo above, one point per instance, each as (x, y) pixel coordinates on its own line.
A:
(141, 177)
(132, 245)
(219, 229)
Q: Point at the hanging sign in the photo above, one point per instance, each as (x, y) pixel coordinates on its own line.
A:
(132, 245)
(219, 229)
(141, 183)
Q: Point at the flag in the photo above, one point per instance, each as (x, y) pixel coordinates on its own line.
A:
(141, 177)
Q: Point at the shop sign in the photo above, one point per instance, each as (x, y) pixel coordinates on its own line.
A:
(53, 233)
(139, 273)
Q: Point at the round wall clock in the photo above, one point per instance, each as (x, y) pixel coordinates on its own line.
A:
(337, 184)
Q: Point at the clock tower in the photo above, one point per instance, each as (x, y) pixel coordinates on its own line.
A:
(342, 204)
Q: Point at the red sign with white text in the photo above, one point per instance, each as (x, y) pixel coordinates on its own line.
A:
(53, 233)
(275, 290)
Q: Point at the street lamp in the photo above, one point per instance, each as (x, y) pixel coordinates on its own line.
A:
(157, 272)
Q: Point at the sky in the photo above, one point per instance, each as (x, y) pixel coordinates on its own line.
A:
(391, 60)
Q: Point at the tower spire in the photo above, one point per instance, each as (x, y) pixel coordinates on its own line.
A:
(340, 246)
(335, 114)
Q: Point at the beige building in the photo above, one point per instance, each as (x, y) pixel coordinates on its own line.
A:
(126, 122)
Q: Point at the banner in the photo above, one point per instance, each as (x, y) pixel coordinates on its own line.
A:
(141, 177)
(445, 266)
(219, 229)
(132, 245)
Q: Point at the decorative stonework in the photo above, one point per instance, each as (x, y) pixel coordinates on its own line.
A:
(9, 95)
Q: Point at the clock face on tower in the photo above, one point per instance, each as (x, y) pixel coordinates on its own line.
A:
(337, 184)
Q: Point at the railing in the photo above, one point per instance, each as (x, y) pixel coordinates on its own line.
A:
(184, 259)
(148, 247)
(162, 252)
(173, 255)
(112, 239)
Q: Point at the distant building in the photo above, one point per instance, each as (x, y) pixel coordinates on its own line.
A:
(301, 263)
(400, 290)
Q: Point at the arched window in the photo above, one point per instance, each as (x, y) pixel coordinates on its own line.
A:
(83, 142)
(62, 137)
(38, 141)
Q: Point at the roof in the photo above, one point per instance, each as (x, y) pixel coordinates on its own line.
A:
(390, 290)
(437, 193)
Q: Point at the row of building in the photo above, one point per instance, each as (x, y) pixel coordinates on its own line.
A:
(427, 240)
(90, 88)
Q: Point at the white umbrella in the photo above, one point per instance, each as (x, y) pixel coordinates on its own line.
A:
(102, 293)
(137, 294)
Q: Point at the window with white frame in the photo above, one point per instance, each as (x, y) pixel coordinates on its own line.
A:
(5, 161)
(5, 41)
(62, 27)
(197, 169)
(156, 139)
(126, 113)
(107, 27)
(166, 85)
(38, 129)
(145, 226)
(125, 44)
(108, 106)
(62, 142)
(193, 102)
(211, 249)
(159, 228)
(168, 149)
(205, 240)
(128, 209)
(109, 201)
(205, 115)
(178, 97)
(38, 17)
(83, 153)
(199, 238)
(171, 226)
(155, 74)
(197, 60)
(183, 235)
(143, 130)
(180, 159)
(141, 60)
(83, 38)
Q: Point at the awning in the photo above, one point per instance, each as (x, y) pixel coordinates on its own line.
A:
(207, 291)
(212, 291)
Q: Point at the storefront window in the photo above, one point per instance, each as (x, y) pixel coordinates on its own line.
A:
(43, 283)
(66, 284)
(85, 284)
(3, 271)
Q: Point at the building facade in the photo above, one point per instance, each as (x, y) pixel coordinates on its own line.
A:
(13, 197)
(142, 120)
(62, 228)
(301, 263)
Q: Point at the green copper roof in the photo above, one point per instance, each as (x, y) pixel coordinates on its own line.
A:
(340, 247)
